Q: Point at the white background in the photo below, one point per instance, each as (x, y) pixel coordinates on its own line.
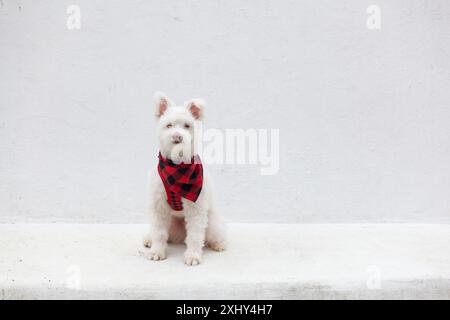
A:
(364, 115)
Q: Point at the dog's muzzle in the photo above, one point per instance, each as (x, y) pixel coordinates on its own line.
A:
(177, 138)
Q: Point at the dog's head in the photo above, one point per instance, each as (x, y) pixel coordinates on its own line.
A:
(176, 126)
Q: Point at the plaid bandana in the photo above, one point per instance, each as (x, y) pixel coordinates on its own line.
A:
(181, 180)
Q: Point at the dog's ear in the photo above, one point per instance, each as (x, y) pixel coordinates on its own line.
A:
(162, 102)
(196, 107)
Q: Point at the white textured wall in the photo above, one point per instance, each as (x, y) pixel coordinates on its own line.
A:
(364, 115)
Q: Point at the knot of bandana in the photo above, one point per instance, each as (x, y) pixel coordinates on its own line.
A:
(181, 180)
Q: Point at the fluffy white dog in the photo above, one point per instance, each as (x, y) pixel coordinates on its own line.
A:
(181, 204)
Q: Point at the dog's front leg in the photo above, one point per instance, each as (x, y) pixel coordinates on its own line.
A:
(196, 223)
(159, 233)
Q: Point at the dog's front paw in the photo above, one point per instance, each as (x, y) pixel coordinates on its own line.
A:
(156, 255)
(192, 259)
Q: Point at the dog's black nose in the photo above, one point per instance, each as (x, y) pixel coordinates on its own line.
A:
(177, 138)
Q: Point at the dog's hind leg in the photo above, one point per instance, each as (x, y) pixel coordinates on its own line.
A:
(147, 240)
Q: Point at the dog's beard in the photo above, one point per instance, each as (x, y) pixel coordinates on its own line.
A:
(181, 152)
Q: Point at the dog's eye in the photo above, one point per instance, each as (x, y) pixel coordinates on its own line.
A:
(169, 125)
(187, 126)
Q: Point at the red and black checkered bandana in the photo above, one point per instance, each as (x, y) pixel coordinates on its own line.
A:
(181, 180)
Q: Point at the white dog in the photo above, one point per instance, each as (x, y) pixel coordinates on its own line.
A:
(190, 217)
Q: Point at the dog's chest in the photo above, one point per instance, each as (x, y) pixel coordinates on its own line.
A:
(159, 196)
(162, 196)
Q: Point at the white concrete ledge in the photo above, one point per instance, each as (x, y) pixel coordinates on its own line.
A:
(263, 261)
